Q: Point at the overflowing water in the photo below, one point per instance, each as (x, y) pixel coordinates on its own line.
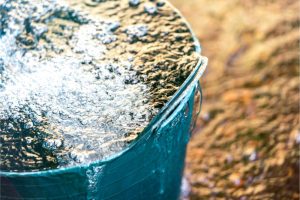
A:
(63, 98)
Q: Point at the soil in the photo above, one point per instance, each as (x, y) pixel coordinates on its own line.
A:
(246, 144)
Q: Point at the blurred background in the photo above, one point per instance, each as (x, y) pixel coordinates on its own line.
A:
(246, 144)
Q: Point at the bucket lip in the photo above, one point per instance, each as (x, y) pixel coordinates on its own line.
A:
(175, 100)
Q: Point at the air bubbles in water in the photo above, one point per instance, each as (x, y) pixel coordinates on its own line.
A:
(57, 91)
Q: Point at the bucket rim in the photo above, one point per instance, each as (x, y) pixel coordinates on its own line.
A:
(153, 125)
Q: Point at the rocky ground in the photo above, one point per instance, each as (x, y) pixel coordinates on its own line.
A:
(246, 145)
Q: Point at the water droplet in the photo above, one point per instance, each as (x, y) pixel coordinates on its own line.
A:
(52, 144)
(160, 3)
(185, 188)
(298, 137)
(134, 2)
(136, 31)
(253, 156)
(187, 110)
(113, 26)
(150, 8)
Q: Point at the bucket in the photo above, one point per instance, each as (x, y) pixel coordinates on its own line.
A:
(150, 167)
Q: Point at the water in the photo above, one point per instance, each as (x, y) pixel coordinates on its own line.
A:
(77, 85)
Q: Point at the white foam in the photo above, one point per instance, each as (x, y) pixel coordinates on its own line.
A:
(85, 104)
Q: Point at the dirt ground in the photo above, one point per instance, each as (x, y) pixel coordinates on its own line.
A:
(246, 145)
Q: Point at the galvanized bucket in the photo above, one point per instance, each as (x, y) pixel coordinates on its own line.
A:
(150, 167)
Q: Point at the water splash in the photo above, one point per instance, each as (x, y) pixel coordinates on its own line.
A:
(53, 77)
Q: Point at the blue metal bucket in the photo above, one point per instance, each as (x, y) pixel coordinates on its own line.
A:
(150, 167)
